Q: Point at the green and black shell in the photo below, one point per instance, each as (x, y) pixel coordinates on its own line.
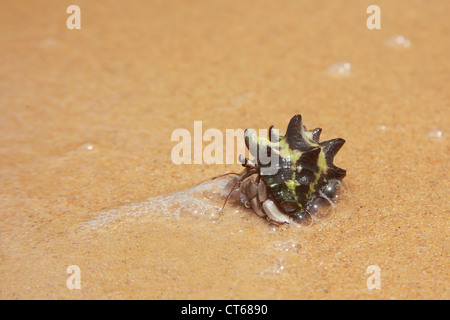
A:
(305, 165)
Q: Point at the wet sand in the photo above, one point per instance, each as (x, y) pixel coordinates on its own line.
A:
(87, 117)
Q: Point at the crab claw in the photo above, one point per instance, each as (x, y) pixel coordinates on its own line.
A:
(274, 213)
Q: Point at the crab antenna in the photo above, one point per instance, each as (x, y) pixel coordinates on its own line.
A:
(225, 174)
(219, 176)
(247, 172)
(229, 194)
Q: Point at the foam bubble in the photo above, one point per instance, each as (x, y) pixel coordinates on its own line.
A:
(323, 208)
(212, 214)
(191, 210)
(398, 42)
(277, 268)
(204, 202)
(340, 69)
(286, 246)
(195, 204)
(435, 134)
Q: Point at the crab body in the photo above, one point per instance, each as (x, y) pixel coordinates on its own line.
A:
(304, 172)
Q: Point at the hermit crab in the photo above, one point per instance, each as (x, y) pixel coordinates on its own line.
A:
(302, 178)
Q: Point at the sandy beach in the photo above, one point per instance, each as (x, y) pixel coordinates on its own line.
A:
(87, 178)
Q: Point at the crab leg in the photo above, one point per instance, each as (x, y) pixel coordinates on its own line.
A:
(250, 190)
